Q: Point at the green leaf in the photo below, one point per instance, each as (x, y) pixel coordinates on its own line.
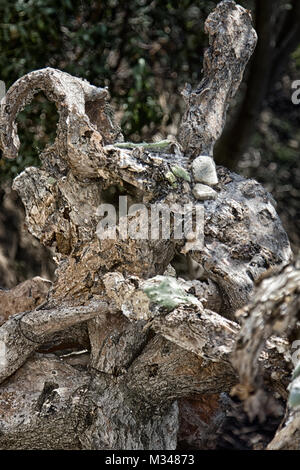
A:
(180, 173)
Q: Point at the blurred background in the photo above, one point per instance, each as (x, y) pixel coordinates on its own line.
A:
(145, 51)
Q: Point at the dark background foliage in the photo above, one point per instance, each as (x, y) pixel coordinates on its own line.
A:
(145, 51)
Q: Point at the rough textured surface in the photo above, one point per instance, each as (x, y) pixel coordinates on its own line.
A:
(232, 41)
(26, 296)
(243, 238)
(287, 438)
(274, 310)
(38, 405)
(23, 333)
(152, 339)
(119, 420)
(75, 98)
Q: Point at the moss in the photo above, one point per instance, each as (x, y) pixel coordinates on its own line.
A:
(51, 180)
(169, 294)
(171, 178)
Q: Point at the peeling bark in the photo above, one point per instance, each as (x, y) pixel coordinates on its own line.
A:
(22, 334)
(232, 41)
(24, 297)
(148, 339)
(274, 310)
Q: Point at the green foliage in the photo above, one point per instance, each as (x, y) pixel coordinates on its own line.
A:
(142, 101)
(277, 140)
(296, 57)
(31, 34)
(180, 172)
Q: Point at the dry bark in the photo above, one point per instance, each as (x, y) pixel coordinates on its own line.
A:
(146, 351)
(24, 297)
(274, 310)
(232, 41)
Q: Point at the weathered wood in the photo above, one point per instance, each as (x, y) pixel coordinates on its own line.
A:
(153, 338)
(243, 238)
(23, 333)
(25, 297)
(73, 96)
(273, 310)
(38, 405)
(232, 41)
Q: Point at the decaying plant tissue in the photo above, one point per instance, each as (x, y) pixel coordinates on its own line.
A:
(149, 341)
